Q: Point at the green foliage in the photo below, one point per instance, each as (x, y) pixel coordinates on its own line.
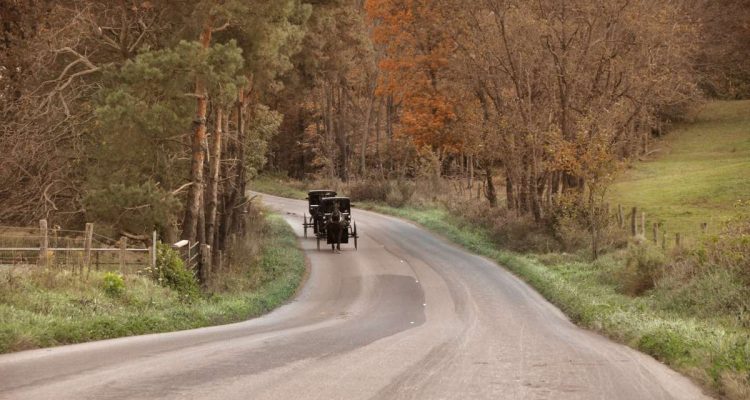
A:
(114, 285)
(141, 112)
(171, 272)
(261, 130)
(136, 208)
(731, 248)
(664, 344)
(568, 220)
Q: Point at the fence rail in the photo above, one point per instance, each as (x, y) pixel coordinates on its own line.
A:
(78, 250)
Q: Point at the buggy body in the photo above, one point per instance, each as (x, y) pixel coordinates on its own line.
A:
(314, 197)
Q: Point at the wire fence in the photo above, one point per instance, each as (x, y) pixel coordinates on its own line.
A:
(72, 249)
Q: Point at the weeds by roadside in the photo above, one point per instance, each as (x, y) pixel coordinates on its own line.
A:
(41, 308)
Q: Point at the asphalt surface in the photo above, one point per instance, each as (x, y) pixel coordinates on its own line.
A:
(407, 316)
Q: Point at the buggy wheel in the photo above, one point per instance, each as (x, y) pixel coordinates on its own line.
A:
(304, 223)
(354, 232)
(318, 237)
(333, 248)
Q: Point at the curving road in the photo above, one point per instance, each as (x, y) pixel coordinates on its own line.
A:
(408, 316)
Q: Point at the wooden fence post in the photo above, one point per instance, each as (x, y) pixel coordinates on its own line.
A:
(205, 266)
(154, 242)
(704, 227)
(123, 247)
(664, 240)
(643, 223)
(620, 217)
(43, 243)
(89, 234)
(633, 224)
(656, 233)
(678, 239)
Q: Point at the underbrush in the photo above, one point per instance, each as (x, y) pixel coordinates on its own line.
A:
(41, 308)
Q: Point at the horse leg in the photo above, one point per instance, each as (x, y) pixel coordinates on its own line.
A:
(338, 237)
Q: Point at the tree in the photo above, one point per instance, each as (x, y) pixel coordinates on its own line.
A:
(417, 52)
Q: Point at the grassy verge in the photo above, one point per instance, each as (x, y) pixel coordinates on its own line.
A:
(48, 308)
(278, 185)
(714, 353)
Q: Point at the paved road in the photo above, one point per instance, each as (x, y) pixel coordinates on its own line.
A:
(408, 316)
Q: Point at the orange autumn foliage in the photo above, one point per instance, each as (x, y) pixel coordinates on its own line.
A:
(414, 63)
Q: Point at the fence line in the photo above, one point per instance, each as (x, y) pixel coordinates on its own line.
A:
(41, 246)
(658, 235)
(78, 250)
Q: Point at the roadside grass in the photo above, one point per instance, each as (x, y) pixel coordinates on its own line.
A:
(279, 185)
(50, 308)
(711, 349)
(703, 168)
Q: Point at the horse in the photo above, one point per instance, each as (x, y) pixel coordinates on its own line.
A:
(336, 227)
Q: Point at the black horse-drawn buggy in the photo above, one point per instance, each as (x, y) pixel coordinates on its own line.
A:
(331, 219)
(313, 199)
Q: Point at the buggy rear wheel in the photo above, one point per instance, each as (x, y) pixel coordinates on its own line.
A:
(304, 223)
(318, 237)
(354, 232)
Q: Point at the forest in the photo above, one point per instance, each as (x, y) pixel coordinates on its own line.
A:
(156, 114)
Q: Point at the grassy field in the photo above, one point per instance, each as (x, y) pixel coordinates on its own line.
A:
(49, 308)
(701, 170)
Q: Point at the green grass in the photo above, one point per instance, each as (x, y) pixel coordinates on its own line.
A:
(715, 353)
(278, 185)
(42, 309)
(703, 168)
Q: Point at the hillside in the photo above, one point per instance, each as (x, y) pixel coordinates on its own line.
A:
(701, 169)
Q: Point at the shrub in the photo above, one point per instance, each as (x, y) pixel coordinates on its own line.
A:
(508, 229)
(171, 272)
(719, 291)
(114, 285)
(375, 190)
(399, 193)
(644, 265)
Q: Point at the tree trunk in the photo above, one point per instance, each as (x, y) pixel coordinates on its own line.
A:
(193, 206)
(389, 131)
(341, 127)
(238, 197)
(230, 152)
(509, 193)
(328, 119)
(213, 183)
(366, 137)
(490, 192)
